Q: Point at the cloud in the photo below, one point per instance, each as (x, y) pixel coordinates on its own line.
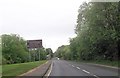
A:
(51, 20)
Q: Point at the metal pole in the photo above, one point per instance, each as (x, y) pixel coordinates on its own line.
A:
(34, 54)
(39, 53)
(29, 56)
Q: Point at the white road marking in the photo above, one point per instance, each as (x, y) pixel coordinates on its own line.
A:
(104, 66)
(73, 65)
(50, 70)
(78, 68)
(96, 76)
(86, 71)
(90, 73)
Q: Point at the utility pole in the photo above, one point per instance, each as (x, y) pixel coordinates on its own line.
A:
(34, 53)
(34, 44)
(29, 56)
(39, 53)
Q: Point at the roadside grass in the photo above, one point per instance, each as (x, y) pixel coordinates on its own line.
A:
(104, 62)
(0, 71)
(18, 69)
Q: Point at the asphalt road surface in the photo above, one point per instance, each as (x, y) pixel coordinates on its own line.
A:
(74, 69)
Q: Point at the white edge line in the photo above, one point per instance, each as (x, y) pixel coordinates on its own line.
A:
(50, 70)
(104, 66)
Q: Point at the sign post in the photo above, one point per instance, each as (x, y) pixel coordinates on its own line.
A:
(29, 56)
(34, 45)
(39, 54)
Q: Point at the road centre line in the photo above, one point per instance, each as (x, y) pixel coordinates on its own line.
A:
(73, 66)
(50, 70)
(77, 67)
(96, 76)
(86, 71)
(90, 73)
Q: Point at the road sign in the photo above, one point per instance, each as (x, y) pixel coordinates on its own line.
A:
(32, 44)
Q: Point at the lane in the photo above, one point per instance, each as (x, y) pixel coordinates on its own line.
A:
(69, 68)
(63, 68)
(97, 70)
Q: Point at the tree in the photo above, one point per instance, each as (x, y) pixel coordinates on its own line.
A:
(14, 49)
(63, 52)
(98, 31)
(49, 52)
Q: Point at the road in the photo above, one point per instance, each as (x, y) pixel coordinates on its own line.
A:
(69, 68)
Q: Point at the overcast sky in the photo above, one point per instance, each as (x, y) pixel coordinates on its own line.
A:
(53, 21)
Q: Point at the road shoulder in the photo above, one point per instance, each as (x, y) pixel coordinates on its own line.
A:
(38, 71)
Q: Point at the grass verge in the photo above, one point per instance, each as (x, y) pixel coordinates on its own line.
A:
(0, 71)
(104, 62)
(18, 69)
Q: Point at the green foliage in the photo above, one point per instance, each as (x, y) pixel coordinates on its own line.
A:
(38, 54)
(14, 49)
(98, 33)
(18, 69)
(63, 52)
(43, 54)
(49, 53)
(0, 51)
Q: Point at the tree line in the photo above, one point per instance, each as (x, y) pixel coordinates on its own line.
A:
(14, 50)
(98, 33)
